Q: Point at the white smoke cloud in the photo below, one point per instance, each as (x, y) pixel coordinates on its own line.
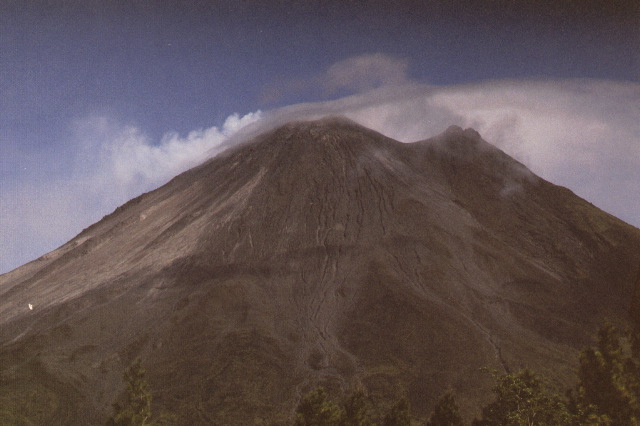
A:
(134, 162)
(108, 164)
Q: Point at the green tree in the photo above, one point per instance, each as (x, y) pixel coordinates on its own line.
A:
(446, 412)
(608, 380)
(522, 399)
(586, 415)
(316, 409)
(399, 415)
(136, 408)
(357, 410)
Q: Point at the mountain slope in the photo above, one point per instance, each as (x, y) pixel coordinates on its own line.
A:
(318, 253)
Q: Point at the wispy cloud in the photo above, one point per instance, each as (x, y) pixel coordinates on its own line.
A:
(365, 72)
(356, 74)
(107, 164)
(128, 158)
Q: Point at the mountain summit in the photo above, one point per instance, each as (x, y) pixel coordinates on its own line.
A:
(317, 253)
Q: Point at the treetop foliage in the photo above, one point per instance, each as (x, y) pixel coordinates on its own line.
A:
(316, 409)
(607, 393)
(608, 379)
(446, 412)
(136, 408)
(522, 399)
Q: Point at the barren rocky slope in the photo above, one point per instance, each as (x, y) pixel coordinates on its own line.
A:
(318, 253)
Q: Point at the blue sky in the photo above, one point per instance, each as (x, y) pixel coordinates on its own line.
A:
(101, 100)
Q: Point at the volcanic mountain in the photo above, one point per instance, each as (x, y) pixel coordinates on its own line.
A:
(317, 253)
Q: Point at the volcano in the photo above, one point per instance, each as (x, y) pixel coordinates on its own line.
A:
(318, 253)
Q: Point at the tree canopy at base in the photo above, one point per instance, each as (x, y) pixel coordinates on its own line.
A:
(136, 408)
(607, 393)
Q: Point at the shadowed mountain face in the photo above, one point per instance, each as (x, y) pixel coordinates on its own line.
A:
(318, 253)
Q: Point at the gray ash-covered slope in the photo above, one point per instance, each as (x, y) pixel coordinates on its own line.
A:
(317, 253)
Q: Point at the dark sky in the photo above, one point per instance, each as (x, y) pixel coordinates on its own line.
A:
(183, 65)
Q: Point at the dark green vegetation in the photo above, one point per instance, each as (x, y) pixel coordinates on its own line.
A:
(607, 393)
(319, 254)
(609, 379)
(316, 408)
(136, 407)
(522, 399)
(446, 412)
